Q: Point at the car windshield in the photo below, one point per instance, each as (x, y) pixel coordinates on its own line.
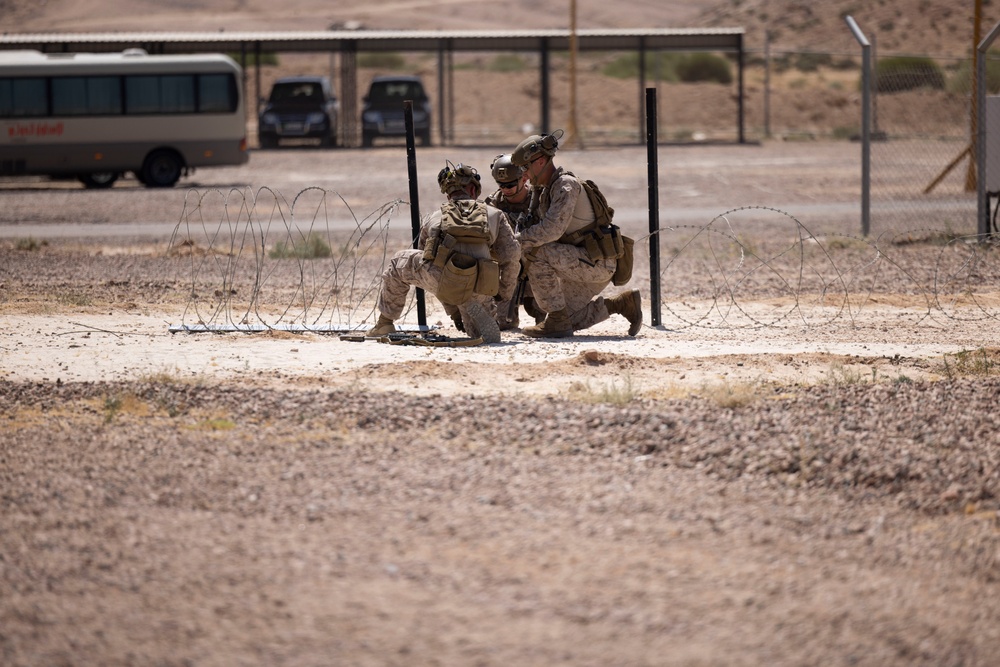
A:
(394, 93)
(297, 92)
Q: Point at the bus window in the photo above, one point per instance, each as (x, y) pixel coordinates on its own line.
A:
(23, 98)
(177, 94)
(216, 93)
(86, 96)
(159, 94)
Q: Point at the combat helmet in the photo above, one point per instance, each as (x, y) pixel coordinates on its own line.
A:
(504, 170)
(455, 177)
(534, 146)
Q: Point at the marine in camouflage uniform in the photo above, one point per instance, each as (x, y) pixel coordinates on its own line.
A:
(517, 199)
(417, 267)
(565, 281)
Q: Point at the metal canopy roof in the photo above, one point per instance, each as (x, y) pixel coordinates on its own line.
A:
(709, 39)
(348, 43)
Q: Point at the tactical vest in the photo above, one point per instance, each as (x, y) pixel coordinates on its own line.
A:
(600, 237)
(521, 215)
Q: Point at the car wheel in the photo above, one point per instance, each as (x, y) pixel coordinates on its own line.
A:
(268, 142)
(425, 138)
(98, 180)
(162, 169)
(366, 139)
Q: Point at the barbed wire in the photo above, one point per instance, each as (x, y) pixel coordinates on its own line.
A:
(257, 261)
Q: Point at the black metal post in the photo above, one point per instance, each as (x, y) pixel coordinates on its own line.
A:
(411, 166)
(653, 178)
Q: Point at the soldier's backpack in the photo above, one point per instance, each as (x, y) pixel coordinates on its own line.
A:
(464, 222)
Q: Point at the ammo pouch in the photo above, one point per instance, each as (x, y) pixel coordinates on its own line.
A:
(487, 278)
(458, 279)
(623, 268)
(603, 242)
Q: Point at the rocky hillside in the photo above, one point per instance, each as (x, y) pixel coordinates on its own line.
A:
(937, 27)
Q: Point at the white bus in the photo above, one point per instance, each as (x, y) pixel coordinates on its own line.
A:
(96, 116)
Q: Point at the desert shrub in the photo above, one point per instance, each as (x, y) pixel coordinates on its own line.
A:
(266, 58)
(508, 62)
(662, 66)
(704, 67)
(312, 246)
(845, 64)
(390, 61)
(896, 74)
(27, 245)
(961, 80)
(811, 62)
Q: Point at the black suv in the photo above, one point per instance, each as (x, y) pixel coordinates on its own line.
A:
(300, 107)
(382, 112)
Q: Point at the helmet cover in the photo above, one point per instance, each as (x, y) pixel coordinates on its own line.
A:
(535, 146)
(456, 177)
(504, 170)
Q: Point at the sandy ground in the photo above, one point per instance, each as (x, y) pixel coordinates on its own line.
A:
(769, 476)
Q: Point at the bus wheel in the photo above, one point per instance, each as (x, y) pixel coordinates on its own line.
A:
(162, 169)
(98, 180)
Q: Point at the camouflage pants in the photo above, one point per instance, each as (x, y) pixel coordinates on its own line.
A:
(562, 276)
(409, 268)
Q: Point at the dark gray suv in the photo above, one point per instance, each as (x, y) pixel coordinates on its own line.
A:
(299, 107)
(382, 111)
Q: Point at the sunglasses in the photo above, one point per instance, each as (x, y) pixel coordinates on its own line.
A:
(508, 185)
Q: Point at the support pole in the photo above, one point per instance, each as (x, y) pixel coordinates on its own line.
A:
(574, 133)
(866, 123)
(544, 85)
(741, 95)
(653, 180)
(411, 165)
(982, 203)
(642, 83)
(970, 173)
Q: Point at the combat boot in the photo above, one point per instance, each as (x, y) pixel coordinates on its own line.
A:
(531, 307)
(629, 305)
(481, 324)
(555, 325)
(383, 327)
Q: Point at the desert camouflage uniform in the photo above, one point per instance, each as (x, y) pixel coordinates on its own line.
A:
(409, 267)
(562, 275)
(520, 215)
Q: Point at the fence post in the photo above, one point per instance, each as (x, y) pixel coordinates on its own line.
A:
(982, 205)
(866, 122)
(411, 165)
(653, 179)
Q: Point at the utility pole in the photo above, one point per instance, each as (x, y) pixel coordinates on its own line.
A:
(574, 136)
(970, 174)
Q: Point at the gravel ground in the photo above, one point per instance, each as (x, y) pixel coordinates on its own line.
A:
(806, 492)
